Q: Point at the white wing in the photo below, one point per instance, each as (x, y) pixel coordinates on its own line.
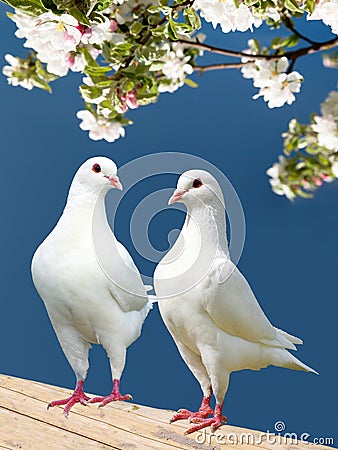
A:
(124, 279)
(127, 288)
(232, 306)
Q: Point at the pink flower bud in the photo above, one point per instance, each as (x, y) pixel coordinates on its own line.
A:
(113, 25)
(317, 181)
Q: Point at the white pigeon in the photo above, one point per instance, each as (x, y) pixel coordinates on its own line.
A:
(209, 307)
(89, 283)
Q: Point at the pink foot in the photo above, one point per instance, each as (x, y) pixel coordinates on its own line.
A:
(78, 397)
(114, 396)
(203, 412)
(215, 422)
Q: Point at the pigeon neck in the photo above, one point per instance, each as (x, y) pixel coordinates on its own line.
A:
(209, 221)
(83, 201)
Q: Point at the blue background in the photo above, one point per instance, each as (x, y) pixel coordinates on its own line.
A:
(290, 254)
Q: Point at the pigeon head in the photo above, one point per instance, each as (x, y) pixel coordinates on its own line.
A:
(97, 173)
(197, 186)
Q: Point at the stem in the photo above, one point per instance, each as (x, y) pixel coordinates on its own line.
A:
(291, 66)
(294, 54)
(289, 25)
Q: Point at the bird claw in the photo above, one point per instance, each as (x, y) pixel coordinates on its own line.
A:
(110, 398)
(201, 414)
(214, 422)
(76, 397)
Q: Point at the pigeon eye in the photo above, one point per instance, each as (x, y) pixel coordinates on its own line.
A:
(197, 183)
(96, 168)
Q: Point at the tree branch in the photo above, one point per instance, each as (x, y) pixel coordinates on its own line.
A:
(294, 54)
(202, 69)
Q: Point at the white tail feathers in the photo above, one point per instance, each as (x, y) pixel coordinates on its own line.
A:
(296, 364)
(289, 337)
(282, 340)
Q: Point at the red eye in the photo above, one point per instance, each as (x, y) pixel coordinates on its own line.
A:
(197, 183)
(96, 168)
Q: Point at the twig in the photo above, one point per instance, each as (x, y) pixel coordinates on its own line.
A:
(202, 69)
(294, 54)
(288, 24)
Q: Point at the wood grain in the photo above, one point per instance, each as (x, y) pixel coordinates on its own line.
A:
(26, 424)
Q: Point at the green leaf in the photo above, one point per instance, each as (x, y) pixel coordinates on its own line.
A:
(190, 83)
(161, 31)
(172, 33)
(29, 7)
(102, 5)
(91, 92)
(136, 28)
(192, 18)
(310, 6)
(79, 16)
(251, 2)
(146, 99)
(41, 84)
(156, 65)
(291, 41)
(97, 70)
(303, 194)
(153, 9)
(292, 5)
(127, 85)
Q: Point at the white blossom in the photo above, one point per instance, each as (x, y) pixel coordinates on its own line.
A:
(175, 68)
(122, 9)
(272, 13)
(327, 11)
(280, 89)
(277, 185)
(275, 85)
(52, 37)
(334, 168)
(9, 72)
(327, 130)
(326, 126)
(100, 127)
(226, 14)
(99, 32)
(59, 32)
(26, 24)
(329, 107)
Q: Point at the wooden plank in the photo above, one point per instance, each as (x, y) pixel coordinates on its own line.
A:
(144, 426)
(108, 434)
(18, 431)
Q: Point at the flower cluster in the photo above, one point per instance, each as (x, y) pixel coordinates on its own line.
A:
(131, 51)
(276, 86)
(233, 16)
(277, 173)
(326, 125)
(174, 68)
(57, 39)
(17, 73)
(311, 153)
(100, 127)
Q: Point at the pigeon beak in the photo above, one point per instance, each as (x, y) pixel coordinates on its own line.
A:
(114, 181)
(177, 195)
